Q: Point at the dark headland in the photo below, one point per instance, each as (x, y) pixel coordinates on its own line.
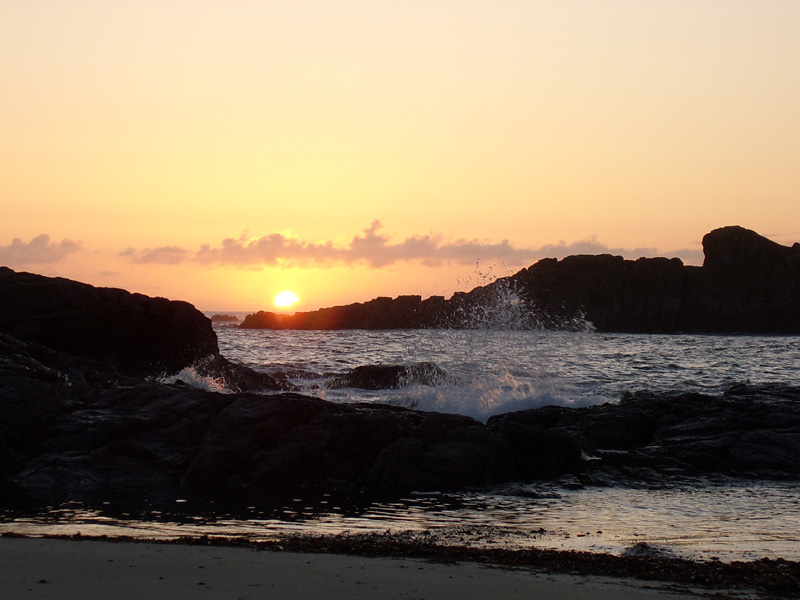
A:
(747, 284)
(86, 414)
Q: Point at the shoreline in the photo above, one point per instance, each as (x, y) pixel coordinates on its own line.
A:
(71, 568)
(639, 575)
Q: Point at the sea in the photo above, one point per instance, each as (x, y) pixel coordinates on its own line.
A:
(490, 371)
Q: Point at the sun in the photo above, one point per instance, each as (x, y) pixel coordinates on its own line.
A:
(286, 299)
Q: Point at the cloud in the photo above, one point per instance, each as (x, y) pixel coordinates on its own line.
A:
(40, 250)
(163, 255)
(371, 247)
(590, 245)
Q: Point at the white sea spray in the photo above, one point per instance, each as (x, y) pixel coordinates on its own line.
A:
(190, 377)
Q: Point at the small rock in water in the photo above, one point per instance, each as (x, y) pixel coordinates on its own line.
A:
(570, 482)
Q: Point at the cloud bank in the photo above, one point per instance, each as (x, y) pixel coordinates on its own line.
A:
(40, 250)
(375, 249)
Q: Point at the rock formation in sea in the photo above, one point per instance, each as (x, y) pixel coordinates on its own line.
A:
(136, 334)
(747, 284)
(224, 318)
(72, 428)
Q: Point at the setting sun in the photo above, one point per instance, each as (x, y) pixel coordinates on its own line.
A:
(285, 299)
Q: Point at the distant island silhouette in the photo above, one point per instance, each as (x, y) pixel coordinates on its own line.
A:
(225, 318)
(747, 284)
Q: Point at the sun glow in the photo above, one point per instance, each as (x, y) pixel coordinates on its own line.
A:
(286, 299)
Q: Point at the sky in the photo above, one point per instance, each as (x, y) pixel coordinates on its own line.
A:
(221, 152)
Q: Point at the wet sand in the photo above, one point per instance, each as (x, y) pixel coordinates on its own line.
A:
(71, 569)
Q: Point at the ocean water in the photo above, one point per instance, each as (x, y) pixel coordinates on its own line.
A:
(490, 372)
(495, 371)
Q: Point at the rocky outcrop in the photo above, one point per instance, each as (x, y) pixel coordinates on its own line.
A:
(73, 429)
(404, 312)
(138, 334)
(747, 284)
(387, 377)
(224, 319)
(749, 432)
(132, 333)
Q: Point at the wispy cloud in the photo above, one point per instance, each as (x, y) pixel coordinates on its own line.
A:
(40, 250)
(590, 245)
(374, 248)
(371, 247)
(163, 255)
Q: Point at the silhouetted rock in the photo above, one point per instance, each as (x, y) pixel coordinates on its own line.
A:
(72, 429)
(75, 429)
(290, 443)
(138, 334)
(752, 432)
(380, 313)
(748, 284)
(384, 377)
(224, 318)
(135, 334)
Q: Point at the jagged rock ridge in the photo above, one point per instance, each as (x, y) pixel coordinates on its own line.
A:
(747, 284)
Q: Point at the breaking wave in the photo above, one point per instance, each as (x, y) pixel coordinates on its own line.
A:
(189, 376)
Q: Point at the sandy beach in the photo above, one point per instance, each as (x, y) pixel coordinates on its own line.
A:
(71, 569)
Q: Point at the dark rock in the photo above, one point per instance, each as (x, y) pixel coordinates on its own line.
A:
(131, 333)
(746, 432)
(75, 429)
(537, 452)
(748, 284)
(224, 318)
(380, 313)
(138, 334)
(383, 377)
(269, 445)
(238, 378)
(264, 320)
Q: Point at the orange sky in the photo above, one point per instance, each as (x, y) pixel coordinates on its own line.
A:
(219, 152)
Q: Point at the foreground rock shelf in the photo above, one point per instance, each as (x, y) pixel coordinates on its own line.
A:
(73, 429)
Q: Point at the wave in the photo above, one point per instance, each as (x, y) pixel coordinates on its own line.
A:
(189, 376)
(478, 395)
(487, 395)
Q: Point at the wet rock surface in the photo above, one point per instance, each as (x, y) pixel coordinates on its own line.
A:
(386, 377)
(75, 429)
(747, 432)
